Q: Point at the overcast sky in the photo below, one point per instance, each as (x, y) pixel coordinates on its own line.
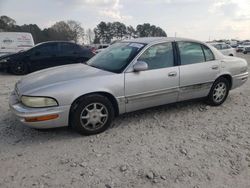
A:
(199, 19)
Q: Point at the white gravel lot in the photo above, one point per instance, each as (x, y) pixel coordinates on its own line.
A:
(179, 145)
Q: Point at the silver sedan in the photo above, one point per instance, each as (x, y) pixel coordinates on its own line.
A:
(128, 76)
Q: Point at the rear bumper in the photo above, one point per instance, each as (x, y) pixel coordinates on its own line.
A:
(239, 80)
(22, 112)
(246, 49)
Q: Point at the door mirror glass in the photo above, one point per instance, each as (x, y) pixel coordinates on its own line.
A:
(140, 66)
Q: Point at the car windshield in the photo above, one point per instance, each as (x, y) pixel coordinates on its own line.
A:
(246, 43)
(116, 57)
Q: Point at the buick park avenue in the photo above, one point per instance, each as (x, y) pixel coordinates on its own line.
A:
(128, 76)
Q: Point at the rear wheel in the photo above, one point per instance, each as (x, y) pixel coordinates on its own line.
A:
(219, 92)
(93, 115)
(19, 68)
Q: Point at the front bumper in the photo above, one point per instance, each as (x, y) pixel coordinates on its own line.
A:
(3, 66)
(239, 80)
(22, 112)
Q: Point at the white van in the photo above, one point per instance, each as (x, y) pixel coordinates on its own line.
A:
(13, 42)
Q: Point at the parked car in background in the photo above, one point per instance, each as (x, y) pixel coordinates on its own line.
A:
(242, 46)
(246, 48)
(224, 48)
(233, 43)
(101, 47)
(13, 42)
(45, 55)
(128, 76)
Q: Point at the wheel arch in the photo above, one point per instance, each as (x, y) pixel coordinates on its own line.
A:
(111, 98)
(229, 79)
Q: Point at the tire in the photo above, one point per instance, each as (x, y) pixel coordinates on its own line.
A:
(88, 118)
(231, 55)
(244, 52)
(19, 68)
(217, 94)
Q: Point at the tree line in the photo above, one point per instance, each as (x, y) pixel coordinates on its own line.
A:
(71, 30)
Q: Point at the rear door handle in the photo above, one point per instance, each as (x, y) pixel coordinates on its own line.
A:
(172, 74)
(215, 67)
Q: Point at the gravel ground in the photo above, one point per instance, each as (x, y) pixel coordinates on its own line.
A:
(180, 145)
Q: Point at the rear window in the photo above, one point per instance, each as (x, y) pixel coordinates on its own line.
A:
(209, 56)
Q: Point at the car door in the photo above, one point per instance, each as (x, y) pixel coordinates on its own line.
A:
(198, 70)
(66, 55)
(225, 49)
(156, 86)
(43, 56)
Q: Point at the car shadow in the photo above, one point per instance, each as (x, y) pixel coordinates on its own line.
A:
(12, 132)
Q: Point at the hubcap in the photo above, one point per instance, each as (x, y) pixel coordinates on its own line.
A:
(19, 68)
(220, 91)
(94, 116)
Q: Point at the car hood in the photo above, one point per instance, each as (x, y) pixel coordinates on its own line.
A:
(11, 55)
(57, 75)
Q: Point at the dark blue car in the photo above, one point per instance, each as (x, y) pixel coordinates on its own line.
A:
(45, 55)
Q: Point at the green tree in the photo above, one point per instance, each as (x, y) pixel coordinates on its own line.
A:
(76, 31)
(6, 23)
(119, 30)
(103, 33)
(147, 30)
(131, 32)
(61, 31)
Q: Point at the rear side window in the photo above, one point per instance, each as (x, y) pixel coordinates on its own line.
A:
(66, 48)
(208, 53)
(45, 49)
(190, 53)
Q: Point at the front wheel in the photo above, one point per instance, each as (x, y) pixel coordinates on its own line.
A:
(19, 68)
(219, 92)
(93, 115)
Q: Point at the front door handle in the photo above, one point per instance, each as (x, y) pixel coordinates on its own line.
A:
(215, 67)
(172, 74)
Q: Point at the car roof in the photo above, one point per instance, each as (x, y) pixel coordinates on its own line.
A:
(149, 40)
(214, 43)
(48, 42)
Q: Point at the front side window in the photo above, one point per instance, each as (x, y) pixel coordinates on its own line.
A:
(116, 57)
(190, 53)
(68, 48)
(44, 50)
(158, 56)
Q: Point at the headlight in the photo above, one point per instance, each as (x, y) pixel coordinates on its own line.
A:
(38, 102)
(4, 60)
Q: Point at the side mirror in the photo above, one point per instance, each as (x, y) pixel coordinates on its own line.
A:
(140, 66)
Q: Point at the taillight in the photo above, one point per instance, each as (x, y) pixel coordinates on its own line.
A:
(93, 50)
